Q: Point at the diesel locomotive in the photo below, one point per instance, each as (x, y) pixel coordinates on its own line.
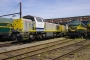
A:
(29, 27)
(77, 29)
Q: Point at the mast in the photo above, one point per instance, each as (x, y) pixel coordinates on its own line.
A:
(20, 10)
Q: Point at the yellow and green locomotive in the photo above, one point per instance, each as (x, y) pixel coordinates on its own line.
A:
(5, 27)
(77, 29)
(88, 29)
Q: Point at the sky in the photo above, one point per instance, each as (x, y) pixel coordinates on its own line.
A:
(47, 9)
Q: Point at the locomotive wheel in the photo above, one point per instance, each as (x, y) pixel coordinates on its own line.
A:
(18, 38)
(31, 38)
(44, 36)
(14, 38)
(0, 37)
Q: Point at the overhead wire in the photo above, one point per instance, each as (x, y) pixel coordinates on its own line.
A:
(12, 12)
(13, 8)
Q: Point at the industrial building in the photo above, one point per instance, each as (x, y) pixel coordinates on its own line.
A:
(65, 20)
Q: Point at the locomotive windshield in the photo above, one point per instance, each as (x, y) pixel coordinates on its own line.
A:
(39, 19)
(74, 23)
(88, 22)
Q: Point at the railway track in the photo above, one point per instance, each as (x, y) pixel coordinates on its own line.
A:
(58, 52)
(82, 53)
(20, 53)
(12, 43)
(8, 44)
(69, 52)
(50, 51)
(5, 44)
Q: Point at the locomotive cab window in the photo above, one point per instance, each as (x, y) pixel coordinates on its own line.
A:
(39, 20)
(74, 23)
(83, 25)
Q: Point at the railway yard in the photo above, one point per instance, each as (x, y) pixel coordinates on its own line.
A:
(52, 49)
(34, 38)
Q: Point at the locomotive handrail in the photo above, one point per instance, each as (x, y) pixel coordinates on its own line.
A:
(5, 27)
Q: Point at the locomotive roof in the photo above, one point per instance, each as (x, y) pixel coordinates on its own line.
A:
(74, 22)
(6, 20)
(30, 16)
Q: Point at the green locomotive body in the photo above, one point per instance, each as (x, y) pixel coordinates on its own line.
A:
(76, 29)
(88, 29)
(5, 27)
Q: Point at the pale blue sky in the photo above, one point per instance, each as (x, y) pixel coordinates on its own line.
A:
(48, 8)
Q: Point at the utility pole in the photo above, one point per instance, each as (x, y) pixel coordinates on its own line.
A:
(20, 9)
